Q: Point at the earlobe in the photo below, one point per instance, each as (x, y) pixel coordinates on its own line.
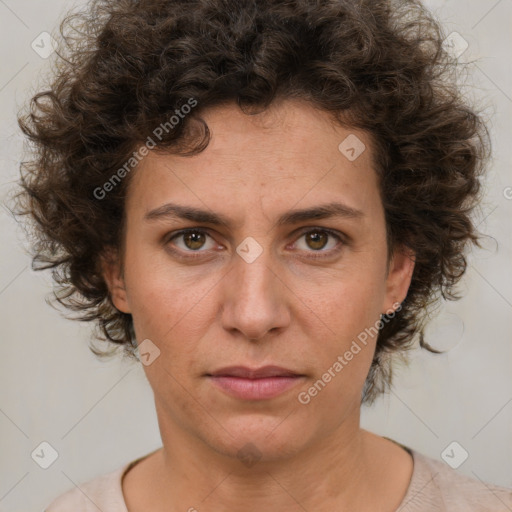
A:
(399, 278)
(111, 271)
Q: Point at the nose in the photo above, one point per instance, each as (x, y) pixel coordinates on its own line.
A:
(255, 299)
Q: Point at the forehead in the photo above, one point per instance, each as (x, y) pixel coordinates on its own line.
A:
(290, 154)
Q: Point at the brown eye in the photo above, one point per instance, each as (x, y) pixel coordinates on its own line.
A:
(191, 240)
(194, 240)
(322, 241)
(317, 239)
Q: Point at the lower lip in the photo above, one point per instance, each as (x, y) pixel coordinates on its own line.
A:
(255, 389)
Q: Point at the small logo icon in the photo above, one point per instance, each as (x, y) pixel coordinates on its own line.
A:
(44, 455)
(352, 147)
(454, 455)
(249, 250)
(148, 352)
(44, 45)
(249, 455)
(455, 44)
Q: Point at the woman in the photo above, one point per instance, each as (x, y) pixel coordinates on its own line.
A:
(261, 200)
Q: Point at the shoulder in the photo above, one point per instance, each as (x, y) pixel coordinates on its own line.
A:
(101, 493)
(104, 492)
(435, 486)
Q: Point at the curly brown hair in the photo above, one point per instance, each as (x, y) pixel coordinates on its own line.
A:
(127, 65)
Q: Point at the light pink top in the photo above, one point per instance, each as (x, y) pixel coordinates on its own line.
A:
(434, 487)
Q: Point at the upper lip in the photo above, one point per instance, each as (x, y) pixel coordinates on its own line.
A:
(256, 373)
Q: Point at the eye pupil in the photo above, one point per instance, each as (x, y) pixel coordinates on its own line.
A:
(195, 238)
(319, 240)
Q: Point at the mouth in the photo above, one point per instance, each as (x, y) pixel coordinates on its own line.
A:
(256, 373)
(254, 384)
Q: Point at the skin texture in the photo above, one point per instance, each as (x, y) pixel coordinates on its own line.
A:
(285, 308)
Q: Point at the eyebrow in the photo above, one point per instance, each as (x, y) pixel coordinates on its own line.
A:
(175, 211)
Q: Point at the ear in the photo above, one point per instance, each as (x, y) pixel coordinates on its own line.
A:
(111, 270)
(401, 268)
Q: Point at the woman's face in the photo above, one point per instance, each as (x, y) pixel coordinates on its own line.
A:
(260, 289)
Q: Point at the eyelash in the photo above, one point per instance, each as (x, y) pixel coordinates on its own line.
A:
(198, 254)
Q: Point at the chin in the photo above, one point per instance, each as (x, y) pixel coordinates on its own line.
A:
(262, 438)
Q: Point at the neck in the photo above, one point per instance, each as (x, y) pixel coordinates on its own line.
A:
(334, 471)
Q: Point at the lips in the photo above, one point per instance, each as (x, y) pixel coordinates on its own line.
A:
(262, 383)
(258, 373)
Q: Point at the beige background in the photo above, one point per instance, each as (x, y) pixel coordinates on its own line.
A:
(100, 415)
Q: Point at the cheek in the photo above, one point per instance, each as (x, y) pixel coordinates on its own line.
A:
(343, 356)
(345, 302)
(174, 314)
(157, 297)
(341, 317)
